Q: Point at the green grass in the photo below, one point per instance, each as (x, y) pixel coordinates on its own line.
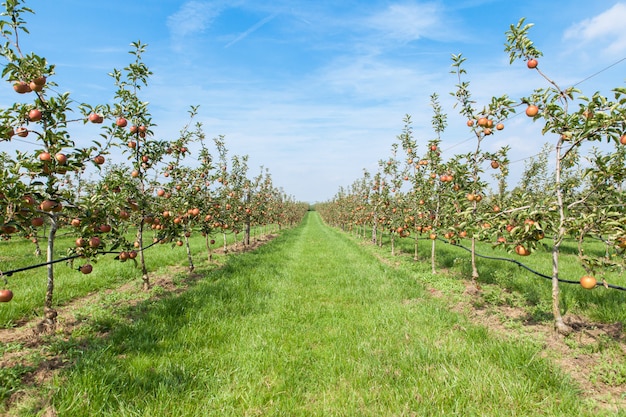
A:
(310, 324)
(29, 287)
(534, 292)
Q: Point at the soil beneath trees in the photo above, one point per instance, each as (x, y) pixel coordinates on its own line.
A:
(580, 356)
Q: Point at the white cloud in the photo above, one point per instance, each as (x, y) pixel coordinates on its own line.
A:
(409, 22)
(605, 29)
(193, 17)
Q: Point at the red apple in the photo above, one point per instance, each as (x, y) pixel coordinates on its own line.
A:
(95, 118)
(6, 296)
(22, 87)
(21, 132)
(34, 115)
(86, 269)
(61, 158)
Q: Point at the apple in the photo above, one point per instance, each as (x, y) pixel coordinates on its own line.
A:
(532, 110)
(6, 296)
(99, 159)
(121, 122)
(86, 269)
(22, 87)
(21, 132)
(28, 200)
(61, 158)
(532, 63)
(40, 81)
(34, 115)
(36, 221)
(35, 87)
(95, 118)
(94, 242)
(48, 205)
(588, 282)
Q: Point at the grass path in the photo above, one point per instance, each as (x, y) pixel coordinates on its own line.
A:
(310, 324)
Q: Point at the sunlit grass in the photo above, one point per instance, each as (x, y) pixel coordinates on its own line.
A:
(29, 287)
(311, 324)
(601, 304)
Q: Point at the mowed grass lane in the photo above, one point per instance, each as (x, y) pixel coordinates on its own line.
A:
(310, 324)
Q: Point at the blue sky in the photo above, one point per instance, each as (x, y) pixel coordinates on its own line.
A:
(316, 91)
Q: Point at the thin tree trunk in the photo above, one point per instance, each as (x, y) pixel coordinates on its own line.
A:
(246, 236)
(48, 324)
(207, 241)
(142, 259)
(559, 325)
(432, 257)
(189, 257)
(374, 227)
(474, 269)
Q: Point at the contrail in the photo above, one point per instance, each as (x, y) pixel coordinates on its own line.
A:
(252, 29)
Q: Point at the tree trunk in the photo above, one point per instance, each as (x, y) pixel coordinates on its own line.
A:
(374, 227)
(142, 259)
(189, 257)
(559, 325)
(474, 269)
(432, 258)
(246, 236)
(207, 241)
(48, 324)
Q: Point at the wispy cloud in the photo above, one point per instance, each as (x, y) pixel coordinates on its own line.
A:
(606, 27)
(409, 21)
(252, 28)
(193, 17)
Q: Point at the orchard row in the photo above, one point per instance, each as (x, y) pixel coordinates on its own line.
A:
(153, 190)
(420, 194)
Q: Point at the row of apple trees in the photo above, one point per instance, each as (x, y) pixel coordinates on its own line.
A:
(151, 189)
(562, 194)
